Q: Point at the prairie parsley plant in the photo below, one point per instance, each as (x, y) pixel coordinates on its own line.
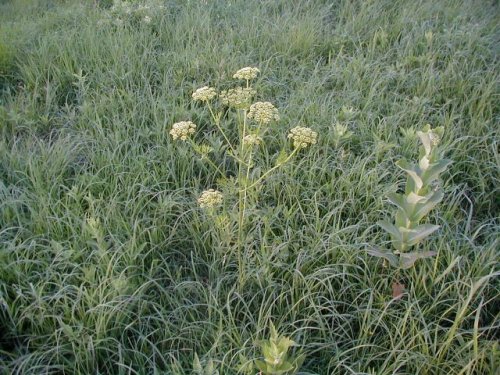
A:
(242, 125)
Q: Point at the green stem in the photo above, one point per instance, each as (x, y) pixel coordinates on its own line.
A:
(242, 201)
(273, 168)
(203, 157)
(217, 123)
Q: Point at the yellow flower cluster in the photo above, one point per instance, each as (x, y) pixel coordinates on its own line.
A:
(303, 137)
(252, 140)
(247, 73)
(263, 112)
(182, 130)
(204, 94)
(210, 198)
(238, 97)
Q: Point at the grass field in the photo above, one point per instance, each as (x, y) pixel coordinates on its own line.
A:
(109, 266)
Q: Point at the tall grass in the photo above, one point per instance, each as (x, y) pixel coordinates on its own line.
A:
(107, 265)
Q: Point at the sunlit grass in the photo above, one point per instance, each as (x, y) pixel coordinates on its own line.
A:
(107, 264)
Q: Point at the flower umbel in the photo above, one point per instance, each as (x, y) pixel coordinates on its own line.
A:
(303, 137)
(238, 97)
(182, 130)
(263, 112)
(247, 73)
(252, 140)
(204, 94)
(210, 198)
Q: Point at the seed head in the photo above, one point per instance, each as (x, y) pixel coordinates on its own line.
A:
(263, 112)
(210, 198)
(182, 130)
(303, 137)
(204, 94)
(247, 73)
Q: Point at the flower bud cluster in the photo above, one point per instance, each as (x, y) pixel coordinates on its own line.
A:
(182, 130)
(252, 140)
(303, 137)
(263, 112)
(210, 198)
(204, 94)
(238, 97)
(247, 73)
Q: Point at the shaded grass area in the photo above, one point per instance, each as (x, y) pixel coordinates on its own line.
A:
(108, 266)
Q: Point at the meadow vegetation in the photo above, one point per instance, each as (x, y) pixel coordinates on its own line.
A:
(153, 221)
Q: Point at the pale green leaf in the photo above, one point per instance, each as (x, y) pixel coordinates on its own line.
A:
(390, 228)
(424, 208)
(413, 172)
(419, 233)
(385, 254)
(435, 170)
(407, 260)
(197, 368)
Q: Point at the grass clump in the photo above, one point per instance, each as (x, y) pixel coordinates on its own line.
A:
(109, 265)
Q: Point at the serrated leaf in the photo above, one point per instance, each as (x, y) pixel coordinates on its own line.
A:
(407, 260)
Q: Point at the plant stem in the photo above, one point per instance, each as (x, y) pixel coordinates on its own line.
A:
(191, 142)
(217, 123)
(273, 169)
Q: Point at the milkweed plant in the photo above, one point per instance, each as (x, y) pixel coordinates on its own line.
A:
(421, 195)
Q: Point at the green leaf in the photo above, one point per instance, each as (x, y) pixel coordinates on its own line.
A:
(386, 254)
(210, 369)
(197, 368)
(281, 157)
(435, 170)
(299, 360)
(283, 368)
(426, 141)
(402, 219)
(413, 171)
(417, 234)
(397, 200)
(423, 209)
(407, 260)
(262, 366)
(284, 343)
(390, 228)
